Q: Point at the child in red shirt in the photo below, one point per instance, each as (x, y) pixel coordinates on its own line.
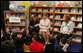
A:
(36, 46)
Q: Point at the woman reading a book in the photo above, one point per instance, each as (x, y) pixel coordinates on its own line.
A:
(44, 28)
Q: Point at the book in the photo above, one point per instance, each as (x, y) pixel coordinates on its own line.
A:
(65, 10)
(74, 10)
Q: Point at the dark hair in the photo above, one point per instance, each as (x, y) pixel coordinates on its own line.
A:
(18, 41)
(67, 16)
(51, 40)
(24, 33)
(36, 37)
(14, 35)
(35, 15)
(28, 39)
(63, 40)
(7, 46)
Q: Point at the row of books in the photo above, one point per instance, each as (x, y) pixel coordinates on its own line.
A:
(73, 10)
(15, 15)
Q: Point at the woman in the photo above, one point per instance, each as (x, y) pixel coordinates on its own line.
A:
(44, 28)
(66, 29)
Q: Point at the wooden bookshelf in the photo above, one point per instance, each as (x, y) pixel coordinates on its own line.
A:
(15, 25)
(55, 13)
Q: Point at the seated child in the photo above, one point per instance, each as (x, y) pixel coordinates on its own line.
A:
(7, 46)
(8, 34)
(63, 46)
(50, 47)
(18, 43)
(27, 42)
(36, 46)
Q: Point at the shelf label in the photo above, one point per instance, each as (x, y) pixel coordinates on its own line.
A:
(14, 19)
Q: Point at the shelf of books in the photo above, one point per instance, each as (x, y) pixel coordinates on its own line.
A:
(16, 21)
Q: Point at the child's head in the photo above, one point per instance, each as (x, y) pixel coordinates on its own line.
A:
(25, 33)
(35, 38)
(18, 41)
(7, 30)
(62, 41)
(28, 39)
(7, 46)
(14, 35)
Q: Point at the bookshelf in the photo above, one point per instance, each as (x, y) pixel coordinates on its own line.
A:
(54, 13)
(15, 26)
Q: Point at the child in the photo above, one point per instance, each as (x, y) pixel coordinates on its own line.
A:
(63, 46)
(8, 34)
(19, 46)
(50, 47)
(2, 36)
(36, 46)
(27, 42)
(7, 46)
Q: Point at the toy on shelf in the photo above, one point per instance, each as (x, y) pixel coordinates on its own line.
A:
(75, 3)
(79, 18)
(80, 10)
(58, 16)
(21, 8)
(64, 10)
(57, 10)
(59, 3)
(73, 17)
(40, 9)
(51, 16)
(34, 9)
(79, 25)
(74, 10)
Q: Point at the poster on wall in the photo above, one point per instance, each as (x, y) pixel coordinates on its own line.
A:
(14, 19)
